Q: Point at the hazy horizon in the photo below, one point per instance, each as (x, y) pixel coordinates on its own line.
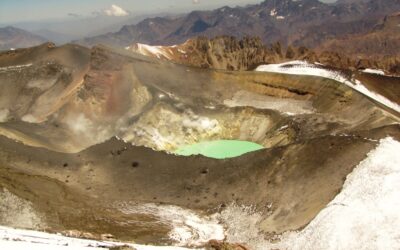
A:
(12, 11)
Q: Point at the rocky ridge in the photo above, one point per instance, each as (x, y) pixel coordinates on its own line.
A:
(229, 53)
(301, 23)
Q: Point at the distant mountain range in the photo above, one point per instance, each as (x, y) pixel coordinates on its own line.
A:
(11, 37)
(382, 40)
(297, 22)
(66, 29)
(229, 53)
(347, 34)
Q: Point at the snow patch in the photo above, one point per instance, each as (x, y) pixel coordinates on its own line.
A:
(17, 212)
(304, 68)
(379, 98)
(4, 113)
(181, 51)
(158, 51)
(17, 239)
(284, 105)
(29, 118)
(188, 228)
(242, 226)
(374, 71)
(283, 128)
(14, 67)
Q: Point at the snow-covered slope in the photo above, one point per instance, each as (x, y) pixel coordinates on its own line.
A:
(304, 68)
(17, 239)
(161, 52)
(365, 215)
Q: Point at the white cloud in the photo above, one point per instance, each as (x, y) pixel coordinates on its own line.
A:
(196, 1)
(115, 10)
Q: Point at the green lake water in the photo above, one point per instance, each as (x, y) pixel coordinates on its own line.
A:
(220, 149)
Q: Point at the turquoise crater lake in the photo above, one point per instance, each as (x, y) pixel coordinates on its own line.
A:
(219, 149)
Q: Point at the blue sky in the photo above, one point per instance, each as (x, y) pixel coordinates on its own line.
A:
(30, 10)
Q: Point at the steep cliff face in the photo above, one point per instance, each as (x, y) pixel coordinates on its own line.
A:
(233, 54)
(218, 53)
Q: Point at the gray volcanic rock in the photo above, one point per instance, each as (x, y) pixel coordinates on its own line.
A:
(91, 95)
(88, 136)
(87, 139)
